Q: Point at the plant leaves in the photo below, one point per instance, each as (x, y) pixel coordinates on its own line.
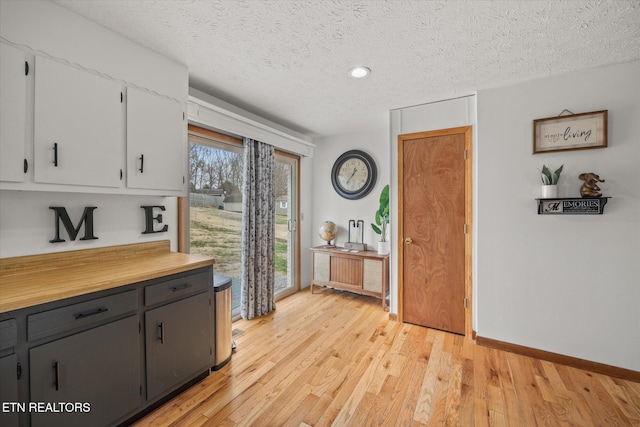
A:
(384, 197)
(548, 177)
(557, 172)
(382, 214)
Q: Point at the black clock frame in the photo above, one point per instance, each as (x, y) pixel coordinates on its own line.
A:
(371, 178)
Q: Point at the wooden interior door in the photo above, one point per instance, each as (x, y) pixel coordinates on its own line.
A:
(433, 216)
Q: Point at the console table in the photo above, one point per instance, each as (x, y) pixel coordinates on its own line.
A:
(364, 272)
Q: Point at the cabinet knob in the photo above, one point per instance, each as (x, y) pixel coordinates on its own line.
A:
(408, 240)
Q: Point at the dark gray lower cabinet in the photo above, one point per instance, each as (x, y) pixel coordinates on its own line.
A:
(178, 343)
(99, 367)
(9, 389)
(83, 361)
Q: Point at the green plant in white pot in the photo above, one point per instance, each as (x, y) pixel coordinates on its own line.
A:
(550, 182)
(382, 220)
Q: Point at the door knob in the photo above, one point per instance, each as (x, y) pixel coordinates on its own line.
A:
(408, 240)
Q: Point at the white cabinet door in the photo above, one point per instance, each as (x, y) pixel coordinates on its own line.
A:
(12, 113)
(77, 126)
(156, 142)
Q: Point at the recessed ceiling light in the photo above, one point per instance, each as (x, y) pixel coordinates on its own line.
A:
(359, 72)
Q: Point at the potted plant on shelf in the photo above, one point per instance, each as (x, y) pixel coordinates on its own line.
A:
(382, 219)
(550, 182)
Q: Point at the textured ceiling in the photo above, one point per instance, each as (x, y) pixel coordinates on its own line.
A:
(288, 60)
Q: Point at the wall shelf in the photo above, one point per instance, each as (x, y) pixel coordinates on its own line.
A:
(572, 206)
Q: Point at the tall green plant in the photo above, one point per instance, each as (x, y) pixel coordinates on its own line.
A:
(548, 177)
(382, 215)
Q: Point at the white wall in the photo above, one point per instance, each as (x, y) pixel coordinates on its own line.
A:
(27, 224)
(306, 219)
(328, 205)
(565, 284)
(421, 118)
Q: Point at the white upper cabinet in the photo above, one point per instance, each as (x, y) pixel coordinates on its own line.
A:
(77, 126)
(156, 142)
(12, 113)
(97, 113)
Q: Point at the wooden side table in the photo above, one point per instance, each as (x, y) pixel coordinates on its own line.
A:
(363, 272)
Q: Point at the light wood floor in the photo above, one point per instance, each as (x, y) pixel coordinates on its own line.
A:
(334, 358)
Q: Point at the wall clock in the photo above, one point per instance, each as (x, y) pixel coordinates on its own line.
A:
(354, 174)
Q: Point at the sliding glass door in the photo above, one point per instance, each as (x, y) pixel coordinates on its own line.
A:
(286, 189)
(215, 210)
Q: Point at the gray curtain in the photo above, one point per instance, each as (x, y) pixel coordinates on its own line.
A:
(258, 230)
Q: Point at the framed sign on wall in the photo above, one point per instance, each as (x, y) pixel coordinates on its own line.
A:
(570, 132)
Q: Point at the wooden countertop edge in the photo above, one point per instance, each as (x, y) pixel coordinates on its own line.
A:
(56, 260)
(29, 287)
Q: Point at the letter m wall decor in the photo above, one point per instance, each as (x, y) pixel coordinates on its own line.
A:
(72, 231)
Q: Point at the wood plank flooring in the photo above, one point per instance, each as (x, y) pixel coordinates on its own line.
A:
(335, 358)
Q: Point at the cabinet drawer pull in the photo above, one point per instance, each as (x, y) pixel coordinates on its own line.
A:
(161, 326)
(181, 287)
(91, 313)
(56, 375)
(141, 163)
(55, 154)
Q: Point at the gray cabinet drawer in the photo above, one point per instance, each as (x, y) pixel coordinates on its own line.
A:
(81, 314)
(8, 334)
(178, 287)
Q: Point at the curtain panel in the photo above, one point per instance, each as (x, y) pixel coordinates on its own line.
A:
(258, 230)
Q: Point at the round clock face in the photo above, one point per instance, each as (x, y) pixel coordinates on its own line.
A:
(354, 174)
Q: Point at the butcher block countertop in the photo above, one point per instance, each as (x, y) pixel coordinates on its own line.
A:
(38, 279)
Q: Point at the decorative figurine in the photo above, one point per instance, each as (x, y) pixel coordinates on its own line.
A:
(590, 188)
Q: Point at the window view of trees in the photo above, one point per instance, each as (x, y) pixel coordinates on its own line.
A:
(212, 168)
